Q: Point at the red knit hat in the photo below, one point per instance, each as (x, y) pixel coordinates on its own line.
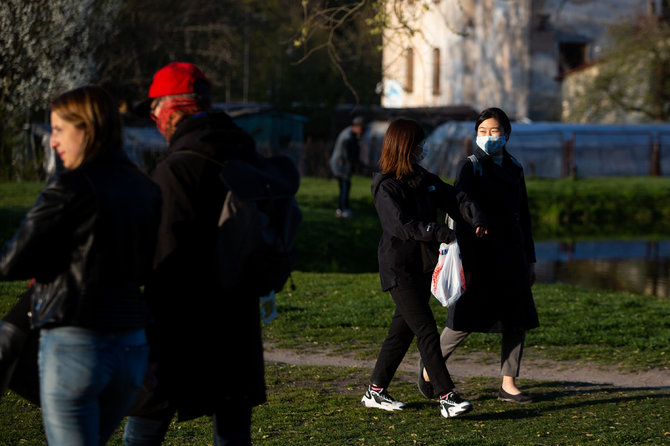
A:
(179, 78)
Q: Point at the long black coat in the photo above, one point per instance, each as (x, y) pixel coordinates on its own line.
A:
(411, 236)
(498, 297)
(207, 343)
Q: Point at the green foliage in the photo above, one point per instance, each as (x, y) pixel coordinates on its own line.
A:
(245, 47)
(561, 209)
(600, 207)
(632, 79)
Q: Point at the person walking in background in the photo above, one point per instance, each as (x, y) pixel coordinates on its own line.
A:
(88, 241)
(343, 161)
(206, 344)
(407, 198)
(500, 267)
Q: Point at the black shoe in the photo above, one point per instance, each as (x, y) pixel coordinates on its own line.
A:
(522, 398)
(425, 387)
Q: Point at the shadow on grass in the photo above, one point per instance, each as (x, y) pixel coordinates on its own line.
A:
(572, 390)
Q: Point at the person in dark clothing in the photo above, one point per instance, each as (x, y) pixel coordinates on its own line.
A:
(343, 161)
(407, 198)
(500, 268)
(88, 242)
(205, 343)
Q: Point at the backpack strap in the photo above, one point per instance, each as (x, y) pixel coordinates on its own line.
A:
(476, 166)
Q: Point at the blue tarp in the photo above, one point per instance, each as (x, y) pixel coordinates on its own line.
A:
(598, 150)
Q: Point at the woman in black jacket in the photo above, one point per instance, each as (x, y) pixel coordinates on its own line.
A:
(500, 267)
(89, 242)
(407, 197)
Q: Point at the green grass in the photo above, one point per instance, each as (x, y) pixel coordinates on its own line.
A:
(349, 313)
(15, 200)
(310, 405)
(338, 306)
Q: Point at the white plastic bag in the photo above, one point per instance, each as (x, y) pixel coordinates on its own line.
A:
(448, 283)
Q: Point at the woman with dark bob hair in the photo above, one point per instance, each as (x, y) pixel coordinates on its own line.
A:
(500, 267)
(88, 242)
(407, 198)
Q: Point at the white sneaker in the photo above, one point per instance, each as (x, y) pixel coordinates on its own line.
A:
(453, 405)
(338, 213)
(381, 399)
(347, 213)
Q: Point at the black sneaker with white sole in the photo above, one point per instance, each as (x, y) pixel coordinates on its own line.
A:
(452, 405)
(381, 399)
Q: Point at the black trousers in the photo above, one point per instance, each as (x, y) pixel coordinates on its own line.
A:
(412, 317)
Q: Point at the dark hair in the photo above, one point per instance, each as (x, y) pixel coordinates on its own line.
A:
(93, 110)
(400, 141)
(499, 116)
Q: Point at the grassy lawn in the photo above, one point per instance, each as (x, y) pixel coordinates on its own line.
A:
(320, 406)
(338, 306)
(348, 313)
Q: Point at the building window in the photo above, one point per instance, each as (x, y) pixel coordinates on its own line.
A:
(436, 71)
(570, 55)
(409, 80)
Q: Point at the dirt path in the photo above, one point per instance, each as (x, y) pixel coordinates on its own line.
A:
(487, 365)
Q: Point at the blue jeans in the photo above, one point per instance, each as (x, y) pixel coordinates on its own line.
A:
(343, 199)
(232, 426)
(88, 381)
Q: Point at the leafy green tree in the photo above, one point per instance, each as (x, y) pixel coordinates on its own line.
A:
(244, 46)
(632, 80)
(47, 46)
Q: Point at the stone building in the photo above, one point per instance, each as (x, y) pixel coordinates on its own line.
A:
(507, 53)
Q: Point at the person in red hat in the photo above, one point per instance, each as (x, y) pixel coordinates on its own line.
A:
(206, 345)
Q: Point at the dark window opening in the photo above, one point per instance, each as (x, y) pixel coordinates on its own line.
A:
(570, 55)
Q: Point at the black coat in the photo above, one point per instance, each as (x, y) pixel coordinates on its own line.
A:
(411, 236)
(207, 343)
(89, 242)
(498, 296)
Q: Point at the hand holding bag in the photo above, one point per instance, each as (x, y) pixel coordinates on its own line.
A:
(448, 282)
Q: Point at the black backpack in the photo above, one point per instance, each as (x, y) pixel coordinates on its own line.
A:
(258, 224)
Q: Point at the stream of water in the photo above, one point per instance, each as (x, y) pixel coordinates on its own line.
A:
(639, 266)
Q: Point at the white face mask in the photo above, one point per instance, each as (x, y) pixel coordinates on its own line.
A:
(491, 144)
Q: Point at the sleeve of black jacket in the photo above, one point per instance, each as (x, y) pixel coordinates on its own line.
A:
(470, 209)
(397, 222)
(40, 247)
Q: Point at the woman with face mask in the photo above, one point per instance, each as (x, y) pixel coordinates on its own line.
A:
(407, 198)
(499, 268)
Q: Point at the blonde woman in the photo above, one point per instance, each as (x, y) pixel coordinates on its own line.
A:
(89, 242)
